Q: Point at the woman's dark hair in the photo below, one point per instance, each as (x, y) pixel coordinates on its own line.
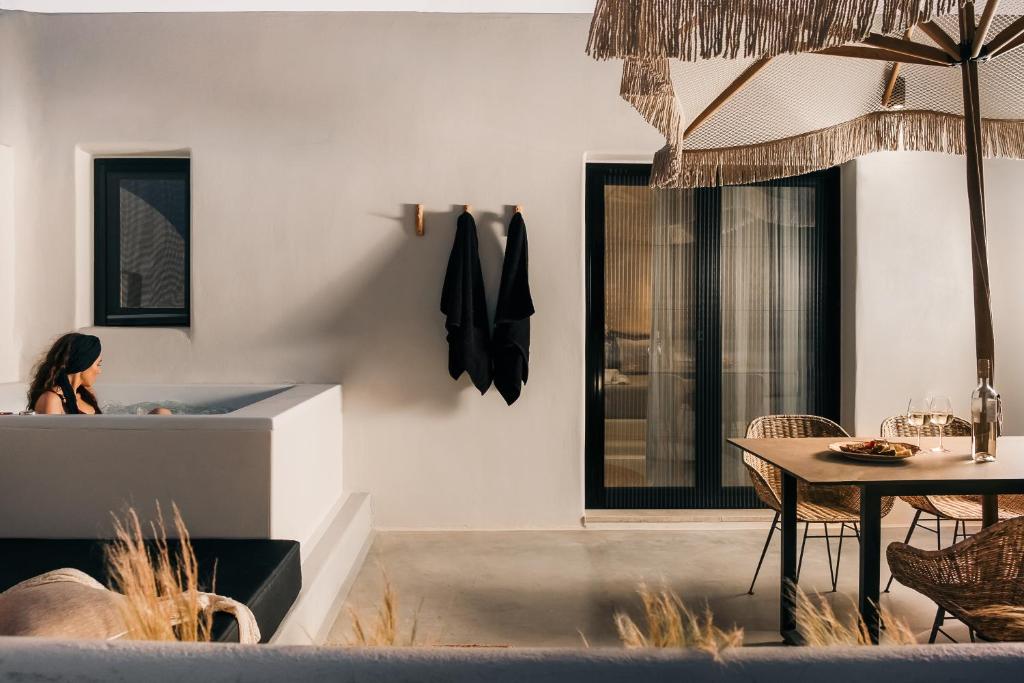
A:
(47, 372)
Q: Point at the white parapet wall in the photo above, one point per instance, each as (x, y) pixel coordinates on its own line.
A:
(55, 662)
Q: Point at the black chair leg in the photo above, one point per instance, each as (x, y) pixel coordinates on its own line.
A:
(910, 532)
(828, 550)
(960, 532)
(936, 625)
(940, 620)
(803, 544)
(839, 556)
(764, 551)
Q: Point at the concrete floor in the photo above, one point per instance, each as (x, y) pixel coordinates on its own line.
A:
(552, 588)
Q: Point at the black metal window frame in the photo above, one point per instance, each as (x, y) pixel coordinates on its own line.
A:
(107, 241)
(708, 435)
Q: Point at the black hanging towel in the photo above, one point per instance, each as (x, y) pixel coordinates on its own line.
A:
(512, 318)
(463, 302)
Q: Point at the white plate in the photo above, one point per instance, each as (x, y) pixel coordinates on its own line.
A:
(872, 457)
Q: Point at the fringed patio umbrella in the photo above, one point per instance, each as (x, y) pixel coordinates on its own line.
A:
(776, 88)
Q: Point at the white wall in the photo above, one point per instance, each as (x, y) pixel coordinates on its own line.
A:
(8, 355)
(311, 137)
(913, 291)
(17, 98)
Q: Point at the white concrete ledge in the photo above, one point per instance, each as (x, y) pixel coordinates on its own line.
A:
(55, 661)
(330, 564)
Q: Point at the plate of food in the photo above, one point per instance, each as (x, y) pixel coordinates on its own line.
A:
(876, 450)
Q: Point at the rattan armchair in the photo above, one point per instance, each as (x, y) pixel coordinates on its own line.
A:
(984, 571)
(815, 504)
(961, 509)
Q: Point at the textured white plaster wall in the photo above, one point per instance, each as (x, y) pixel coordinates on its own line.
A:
(913, 291)
(17, 99)
(8, 355)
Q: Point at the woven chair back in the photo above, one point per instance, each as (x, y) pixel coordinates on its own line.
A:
(767, 478)
(896, 427)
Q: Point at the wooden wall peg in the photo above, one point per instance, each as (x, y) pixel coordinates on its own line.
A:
(419, 220)
(518, 209)
(468, 208)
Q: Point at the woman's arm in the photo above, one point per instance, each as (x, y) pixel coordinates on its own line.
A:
(49, 404)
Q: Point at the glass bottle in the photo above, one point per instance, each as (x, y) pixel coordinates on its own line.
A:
(986, 415)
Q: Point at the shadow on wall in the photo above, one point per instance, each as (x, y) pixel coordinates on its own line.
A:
(383, 334)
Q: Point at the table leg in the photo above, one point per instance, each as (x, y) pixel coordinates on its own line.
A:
(787, 622)
(989, 509)
(870, 550)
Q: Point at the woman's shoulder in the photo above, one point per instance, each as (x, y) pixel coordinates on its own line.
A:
(49, 403)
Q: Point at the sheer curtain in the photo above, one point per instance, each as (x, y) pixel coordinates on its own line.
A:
(628, 213)
(670, 397)
(770, 267)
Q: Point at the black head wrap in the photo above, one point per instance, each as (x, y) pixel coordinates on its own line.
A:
(85, 349)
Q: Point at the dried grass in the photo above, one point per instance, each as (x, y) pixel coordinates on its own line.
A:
(163, 598)
(669, 623)
(384, 631)
(820, 626)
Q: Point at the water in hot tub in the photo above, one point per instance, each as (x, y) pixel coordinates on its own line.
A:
(176, 407)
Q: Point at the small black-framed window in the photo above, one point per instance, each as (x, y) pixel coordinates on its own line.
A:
(142, 251)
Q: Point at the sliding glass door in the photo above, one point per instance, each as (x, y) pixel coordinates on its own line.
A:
(705, 309)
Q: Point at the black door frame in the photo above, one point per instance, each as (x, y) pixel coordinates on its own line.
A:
(708, 437)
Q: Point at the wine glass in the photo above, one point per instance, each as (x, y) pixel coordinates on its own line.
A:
(918, 410)
(940, 414)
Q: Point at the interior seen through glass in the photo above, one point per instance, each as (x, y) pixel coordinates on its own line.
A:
(152, 233)
(770, 251)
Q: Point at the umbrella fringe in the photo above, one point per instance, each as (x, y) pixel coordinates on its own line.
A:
(692, 29)
(647, 85)
(919, 131)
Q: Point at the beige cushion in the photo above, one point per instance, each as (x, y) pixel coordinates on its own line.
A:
(70, 604)
(65, 603)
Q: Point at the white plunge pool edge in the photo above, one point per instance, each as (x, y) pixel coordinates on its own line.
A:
(271, 468)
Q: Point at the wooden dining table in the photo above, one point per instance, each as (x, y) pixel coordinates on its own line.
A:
(927, 473)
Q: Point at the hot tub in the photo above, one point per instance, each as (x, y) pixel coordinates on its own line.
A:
(258, 461)
(268, 464)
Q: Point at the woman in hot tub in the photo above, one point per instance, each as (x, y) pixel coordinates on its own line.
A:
(63, 381)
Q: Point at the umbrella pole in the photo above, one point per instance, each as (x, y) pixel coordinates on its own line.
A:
(984, 340)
